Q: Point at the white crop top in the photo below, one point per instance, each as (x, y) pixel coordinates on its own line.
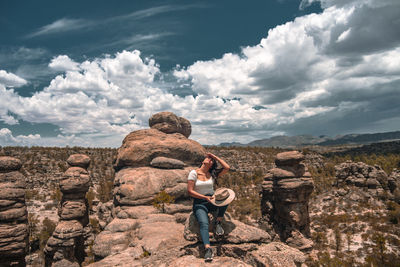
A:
(202, 187)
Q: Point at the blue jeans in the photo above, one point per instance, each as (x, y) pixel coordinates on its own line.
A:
(201, 208)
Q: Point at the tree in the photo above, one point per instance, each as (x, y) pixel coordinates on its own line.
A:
(380, 246)
(338, 239)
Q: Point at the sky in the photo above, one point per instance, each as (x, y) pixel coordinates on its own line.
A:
(86, 73)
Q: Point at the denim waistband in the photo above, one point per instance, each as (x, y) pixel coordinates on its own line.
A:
(199, 200)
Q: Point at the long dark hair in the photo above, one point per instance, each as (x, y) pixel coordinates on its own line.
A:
(214, 171)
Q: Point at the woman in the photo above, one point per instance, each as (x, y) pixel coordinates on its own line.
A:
(201, 188)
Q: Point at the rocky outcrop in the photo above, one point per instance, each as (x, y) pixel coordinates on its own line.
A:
(236, 232)
(139, 148)
(159, 159)
(169, 123)
(13, 213)
(394, 184)
(67, 243)
(372, 178)
(285, 193)
(148, 162)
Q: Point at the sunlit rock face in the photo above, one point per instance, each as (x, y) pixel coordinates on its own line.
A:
(13, 213)
(67, 243)
(159, 159)
(286, 190)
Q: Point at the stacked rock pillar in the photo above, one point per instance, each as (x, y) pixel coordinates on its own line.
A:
(285, 193)
(67, 242)
(13, 213)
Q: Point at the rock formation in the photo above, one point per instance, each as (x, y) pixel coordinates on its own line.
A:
(159, 159)
(169, 123)
(372, 178)
(285, 193)
(394, 184)
(66, 245)
(13, 213)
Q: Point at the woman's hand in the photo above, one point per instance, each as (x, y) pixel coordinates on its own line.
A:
(209, 198)
(211, 155)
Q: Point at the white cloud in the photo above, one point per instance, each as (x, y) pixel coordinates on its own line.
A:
(61, 25)
(11, 80)
(63, 63)
(306, 75)
(7, 139)
(299, 74)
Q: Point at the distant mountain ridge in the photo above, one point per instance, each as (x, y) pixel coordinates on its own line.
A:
(303, 140)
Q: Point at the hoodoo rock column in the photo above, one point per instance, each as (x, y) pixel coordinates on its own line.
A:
(285, 193)
(13, 213)
(67, 242)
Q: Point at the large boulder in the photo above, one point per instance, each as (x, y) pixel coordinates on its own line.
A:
(138, 186)
(79, 160)
(167, 163)
(9, 164)
(277, 254)
(140, 147)
(193, 261)
(169, 123)
(159, 230)
(236, 232)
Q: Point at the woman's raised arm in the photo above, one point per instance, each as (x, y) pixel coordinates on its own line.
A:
(223, 163)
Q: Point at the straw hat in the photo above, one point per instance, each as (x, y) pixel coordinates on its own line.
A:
(222, 197)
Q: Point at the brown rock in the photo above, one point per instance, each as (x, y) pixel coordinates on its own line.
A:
(167, 163)
(166, 122)
(108, 243)
(299, 241)
(138, 186)
(139, 148)
(68, 229)
(235, 231)
(125, 258)
(277, 254)
(72, 209)
(138, 212)
(13, 214)
(65, 263)
(75, 179)
(15, 178)
(9, 164)
(288, 158)
(169, 123)
(192, 261)
(122, 225)
(186, 127)
(159, 230)
(285, 196)
(79, 160)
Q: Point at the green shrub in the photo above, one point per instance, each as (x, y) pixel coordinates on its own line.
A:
(161, 199)
(48, 227)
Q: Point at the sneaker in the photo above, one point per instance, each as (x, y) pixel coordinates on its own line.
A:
(208, 256)
(218, 228)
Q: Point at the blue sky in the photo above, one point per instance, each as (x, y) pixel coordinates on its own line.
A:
(88, 72)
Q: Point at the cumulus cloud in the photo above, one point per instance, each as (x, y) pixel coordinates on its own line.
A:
(311, 75)
(7, 138)
(338, 68)
(63, 63)
(11, 80)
